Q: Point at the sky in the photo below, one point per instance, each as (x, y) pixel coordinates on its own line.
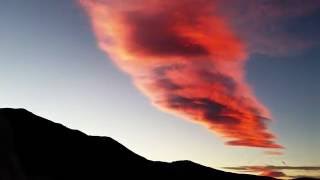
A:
(56, 60)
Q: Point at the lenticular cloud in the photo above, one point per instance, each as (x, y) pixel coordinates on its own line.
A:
(188, 60)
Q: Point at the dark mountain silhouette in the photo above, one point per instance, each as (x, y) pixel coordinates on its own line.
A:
(33, 148)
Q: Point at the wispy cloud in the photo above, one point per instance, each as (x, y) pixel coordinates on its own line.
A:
(276, 171)
(305, 168)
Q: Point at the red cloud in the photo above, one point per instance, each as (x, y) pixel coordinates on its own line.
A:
(273, 174)
(261, 170)
(188, 60)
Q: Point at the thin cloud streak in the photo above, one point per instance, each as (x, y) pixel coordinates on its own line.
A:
(276, 171)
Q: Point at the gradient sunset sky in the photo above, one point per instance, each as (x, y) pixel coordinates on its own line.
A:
(51, 65)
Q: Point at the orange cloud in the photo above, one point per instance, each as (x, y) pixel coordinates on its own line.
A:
(187, 60)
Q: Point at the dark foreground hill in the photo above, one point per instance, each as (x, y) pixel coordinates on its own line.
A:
(33, 148)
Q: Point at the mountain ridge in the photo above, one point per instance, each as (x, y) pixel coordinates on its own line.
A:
(37, 148)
